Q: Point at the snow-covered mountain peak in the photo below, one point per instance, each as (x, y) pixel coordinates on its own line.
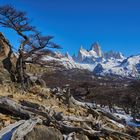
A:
(100, 63)
(81, 48)
(82, 54)
(95, 54)
(67, 55)
(131, 61)
(83, 51)
(113, 55)
(96, 48)
(88, 55)
(95, 44)
(120, 55)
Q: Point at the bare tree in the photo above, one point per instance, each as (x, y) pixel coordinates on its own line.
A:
(32, 41)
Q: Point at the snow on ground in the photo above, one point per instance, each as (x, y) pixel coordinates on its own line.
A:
(128, 119)
(121, 114)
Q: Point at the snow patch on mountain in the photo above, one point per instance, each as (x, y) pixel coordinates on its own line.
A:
(108, 63)
(67, 62)
(89, 56)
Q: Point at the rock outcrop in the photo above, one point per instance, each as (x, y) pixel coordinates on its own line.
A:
(41, 132)
(7, 56)
(5, 47)
(114, 55)
(97, 49)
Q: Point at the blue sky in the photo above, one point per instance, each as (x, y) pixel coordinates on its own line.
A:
(115, 24)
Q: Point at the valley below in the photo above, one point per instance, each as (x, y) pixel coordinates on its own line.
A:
(69, 104)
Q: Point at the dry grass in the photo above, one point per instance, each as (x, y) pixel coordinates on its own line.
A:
(41, 96)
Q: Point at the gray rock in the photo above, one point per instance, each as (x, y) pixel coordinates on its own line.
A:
(41, 132)
(81, 137)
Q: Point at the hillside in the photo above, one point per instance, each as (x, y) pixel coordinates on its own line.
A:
(80, 119)
(63, 101)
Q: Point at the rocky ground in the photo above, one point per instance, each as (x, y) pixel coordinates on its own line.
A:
(55, 111)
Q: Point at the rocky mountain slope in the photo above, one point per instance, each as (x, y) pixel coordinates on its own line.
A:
(63, 109)
(100, 63)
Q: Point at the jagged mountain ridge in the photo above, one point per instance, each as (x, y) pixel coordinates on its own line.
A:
(95, 53)
(100, 63)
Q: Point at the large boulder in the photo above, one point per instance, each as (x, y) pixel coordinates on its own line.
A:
(7, 57)
(81, 137)
(4, 75)
(5, 47)
(41, 132)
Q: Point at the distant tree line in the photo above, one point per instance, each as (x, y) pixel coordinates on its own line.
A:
(127, 98)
